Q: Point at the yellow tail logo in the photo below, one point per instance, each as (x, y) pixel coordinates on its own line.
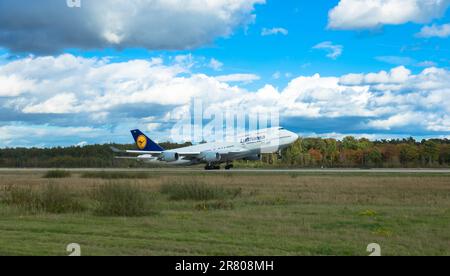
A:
(141, 142)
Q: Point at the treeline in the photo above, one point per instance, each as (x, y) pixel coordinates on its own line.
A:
(363, 153)
(91, 156)
(305, 153)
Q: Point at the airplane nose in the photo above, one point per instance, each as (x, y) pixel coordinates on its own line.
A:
(294, 137)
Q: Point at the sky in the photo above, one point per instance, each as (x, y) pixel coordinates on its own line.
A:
(333, 68)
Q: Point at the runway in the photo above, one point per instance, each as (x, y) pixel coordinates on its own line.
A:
(243, 171)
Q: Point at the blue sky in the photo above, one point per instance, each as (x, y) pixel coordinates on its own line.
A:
(378, 69)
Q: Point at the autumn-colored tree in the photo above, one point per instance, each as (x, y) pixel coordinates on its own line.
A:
(409, 153)
(316, 155)
(390, 154)
(307, 152)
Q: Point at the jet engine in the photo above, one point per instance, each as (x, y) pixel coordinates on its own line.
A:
(212, 157)
(170, 156)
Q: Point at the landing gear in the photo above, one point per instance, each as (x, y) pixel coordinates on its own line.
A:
(279, 155)
(211, 167)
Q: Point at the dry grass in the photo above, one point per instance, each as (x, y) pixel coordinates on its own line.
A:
(48, 198)
(273, 215)
(193, 189)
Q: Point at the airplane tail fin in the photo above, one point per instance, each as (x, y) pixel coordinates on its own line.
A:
(144, 143)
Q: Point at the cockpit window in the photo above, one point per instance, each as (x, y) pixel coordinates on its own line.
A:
(281, 128)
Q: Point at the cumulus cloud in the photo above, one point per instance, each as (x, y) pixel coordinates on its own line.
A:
(397, 120)
(101, 92)
(334, 51)
(59, 104)
(397, 75)
(246, 78)
(48, 26)
(434, 30)
(13, 85)
(102, 100)
(368, 14)
(274, 31)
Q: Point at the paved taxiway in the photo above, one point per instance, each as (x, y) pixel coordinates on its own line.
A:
(269, 171)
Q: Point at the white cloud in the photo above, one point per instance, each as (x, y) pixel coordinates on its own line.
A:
(153, 126)
(405, 61)
(186, 61)
(215, 64)
(368, 14)
(274, 31)
(74, 91)
(340, 136)
(395, 76)
(397, 120)
(276, 75)
(246, 78)
(82, 144)
(334, 51)
(152, 24)
(59, 104)
(434, 30)
(17, 135)
(13, 85)
(440, 124)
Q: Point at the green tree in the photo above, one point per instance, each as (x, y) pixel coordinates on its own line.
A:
(444, 156)
(331, 151)
(292, 155)
(364, 144)
(350, 143)
(431, 151)
(374, 157)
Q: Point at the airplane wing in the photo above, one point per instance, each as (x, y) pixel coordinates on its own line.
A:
(155, 153)
(160, 152)
(235, 153)
(143, 152)
(229, 153)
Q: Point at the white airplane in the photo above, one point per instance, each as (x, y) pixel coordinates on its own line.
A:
(247, 146)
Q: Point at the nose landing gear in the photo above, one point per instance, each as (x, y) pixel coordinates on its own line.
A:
(279, 155)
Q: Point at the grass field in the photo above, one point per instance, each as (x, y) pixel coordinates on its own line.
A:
(229, 214)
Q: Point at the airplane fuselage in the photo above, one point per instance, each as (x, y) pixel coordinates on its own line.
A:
(245, 147)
